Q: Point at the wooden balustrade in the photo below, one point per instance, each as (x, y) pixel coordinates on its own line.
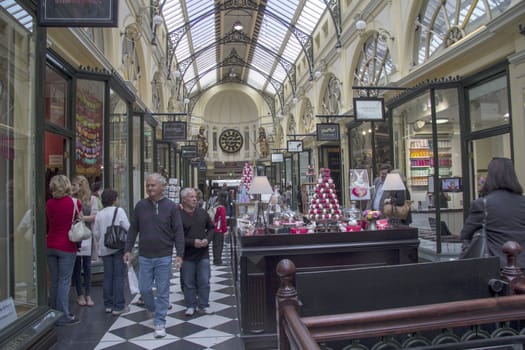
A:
(306, 333)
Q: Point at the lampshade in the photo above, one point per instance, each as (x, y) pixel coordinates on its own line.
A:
(260, 185)
(393, 182)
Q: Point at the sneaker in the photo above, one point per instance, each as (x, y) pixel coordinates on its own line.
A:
(190, 311)
(206, 311)
(89, 301)
(120, 312)
(108, 310)
(160, 332)
(81, 300)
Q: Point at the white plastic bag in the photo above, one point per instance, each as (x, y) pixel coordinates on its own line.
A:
(132, 280)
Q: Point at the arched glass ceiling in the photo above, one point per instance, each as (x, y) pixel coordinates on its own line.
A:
(195, 24)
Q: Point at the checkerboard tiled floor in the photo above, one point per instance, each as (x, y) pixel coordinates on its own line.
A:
(134, 330)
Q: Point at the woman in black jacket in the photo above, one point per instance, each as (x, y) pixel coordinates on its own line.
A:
(505, 210)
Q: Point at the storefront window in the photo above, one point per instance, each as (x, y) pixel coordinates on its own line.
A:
(17, 189)
(89, 131)
(148, 149)
(56, 94)
(484, 150)
(361, 147)
(432, 164)
(118, 149)
(138, 187)
(488, 104)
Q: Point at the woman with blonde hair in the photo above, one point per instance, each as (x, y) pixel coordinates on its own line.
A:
(82, 191)
(61, 252)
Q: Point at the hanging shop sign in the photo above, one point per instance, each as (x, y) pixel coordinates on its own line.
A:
(369, 109)
(328, 132)
(295, 146)
(174, 131)
(78, 13)
(188, 151)
(277, 157)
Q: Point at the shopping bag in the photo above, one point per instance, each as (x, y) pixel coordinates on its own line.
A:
(133, 280)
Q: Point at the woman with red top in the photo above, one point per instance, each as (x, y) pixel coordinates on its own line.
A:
(220, 227)
(61, 252)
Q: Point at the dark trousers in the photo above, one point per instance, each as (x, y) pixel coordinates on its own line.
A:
(218, 243)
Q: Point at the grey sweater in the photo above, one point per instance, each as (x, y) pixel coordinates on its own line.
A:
(159, 229)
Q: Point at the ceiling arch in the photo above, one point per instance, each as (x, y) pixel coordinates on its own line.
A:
(200, 37)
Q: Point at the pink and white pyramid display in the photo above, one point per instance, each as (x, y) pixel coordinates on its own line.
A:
(324, 204)
(247, 176)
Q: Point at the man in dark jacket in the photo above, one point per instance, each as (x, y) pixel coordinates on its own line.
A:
(158, 221)
(195, 272)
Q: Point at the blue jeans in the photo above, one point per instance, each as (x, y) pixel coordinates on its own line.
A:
(196, 278)
(82, 263)
(113, 285)
(60, 266)
(158, 271)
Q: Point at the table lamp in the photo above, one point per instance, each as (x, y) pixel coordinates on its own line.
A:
(393, 182)
(260, 185)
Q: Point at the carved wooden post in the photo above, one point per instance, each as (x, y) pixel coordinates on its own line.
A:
(286, 295)
(512, 272)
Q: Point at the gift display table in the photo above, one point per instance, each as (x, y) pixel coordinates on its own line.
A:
(255, 258)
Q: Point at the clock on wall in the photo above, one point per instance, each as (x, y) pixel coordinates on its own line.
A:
(230, 141)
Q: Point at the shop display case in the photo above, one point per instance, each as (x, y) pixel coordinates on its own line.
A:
(254, 260)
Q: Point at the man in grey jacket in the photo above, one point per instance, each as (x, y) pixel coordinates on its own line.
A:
(158, 221)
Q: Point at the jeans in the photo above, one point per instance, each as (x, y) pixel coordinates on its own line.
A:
(196, 278)
(218, 243)
(82, 263)
(113, 284)
(158, 271)
(60, 266)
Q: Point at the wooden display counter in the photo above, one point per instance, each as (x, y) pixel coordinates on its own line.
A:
(255, 258)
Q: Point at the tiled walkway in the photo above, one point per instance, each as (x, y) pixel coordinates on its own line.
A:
(134, 330)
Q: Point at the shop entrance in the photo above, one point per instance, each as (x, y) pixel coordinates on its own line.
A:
(57, 148)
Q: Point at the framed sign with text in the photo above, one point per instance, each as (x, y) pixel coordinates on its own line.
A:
(174, 131)
(78, 13)
(295, 146)
(369, 109)
(277, 157)
(188, 151)
(327, 132)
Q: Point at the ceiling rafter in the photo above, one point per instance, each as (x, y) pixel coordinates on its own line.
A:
(184, 19)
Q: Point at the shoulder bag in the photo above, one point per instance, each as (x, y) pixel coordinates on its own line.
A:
(78, 231)
(116, 235)
(477, 246)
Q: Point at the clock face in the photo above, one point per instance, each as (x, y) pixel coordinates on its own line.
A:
(230, 141)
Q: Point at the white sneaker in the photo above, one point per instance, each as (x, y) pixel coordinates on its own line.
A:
(206, 311)
(190, 311)
(160, 332)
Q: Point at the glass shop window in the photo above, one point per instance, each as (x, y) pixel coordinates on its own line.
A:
(17, 187)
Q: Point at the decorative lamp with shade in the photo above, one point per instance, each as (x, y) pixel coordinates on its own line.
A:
(393, 182)
(260, 186)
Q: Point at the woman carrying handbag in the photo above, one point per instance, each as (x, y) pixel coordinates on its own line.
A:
(114, 266)
(502, 207)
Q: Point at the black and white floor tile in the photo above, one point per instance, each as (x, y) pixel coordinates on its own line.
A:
(134, 330)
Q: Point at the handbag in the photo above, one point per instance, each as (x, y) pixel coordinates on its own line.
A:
(477, 247)
(398, 211)
(116, 235)
(78, 231)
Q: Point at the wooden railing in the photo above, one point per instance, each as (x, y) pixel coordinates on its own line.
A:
(306, 333)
